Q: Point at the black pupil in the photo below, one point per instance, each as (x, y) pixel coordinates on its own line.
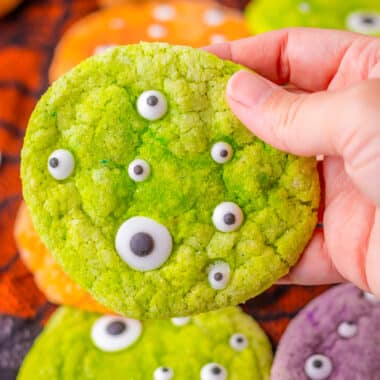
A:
(218, 276)
(216, 370)
(229, 219)
(368, 20)
(141, 244)
(53, 162)
(138, 169)
(224, 153)
(317, 363)
(116, 327)
(164, 369)
(240, 339)
(152, 100)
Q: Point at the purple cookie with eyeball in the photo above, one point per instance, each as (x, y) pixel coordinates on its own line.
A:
(335, 337)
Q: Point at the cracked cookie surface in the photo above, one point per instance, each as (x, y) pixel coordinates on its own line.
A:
(121, 179)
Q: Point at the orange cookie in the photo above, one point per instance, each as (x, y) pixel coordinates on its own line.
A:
(182, 22)
(48, 275)
(8, 5)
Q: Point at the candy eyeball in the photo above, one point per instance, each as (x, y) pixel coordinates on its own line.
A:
(371, 297)
(364, 22)
(318, 367)
(61, 164)
(163, 373)
(180, 321)
(227, 217)
(347, 329)
(219, 275)
(238, 342)
(152, 105)
(221, 152)
(138, 170)
(111, 333)
(143, 243)
(213, 371)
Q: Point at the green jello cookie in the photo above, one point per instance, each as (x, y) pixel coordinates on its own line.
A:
(362, 16)
(226, 344)
(152, 195)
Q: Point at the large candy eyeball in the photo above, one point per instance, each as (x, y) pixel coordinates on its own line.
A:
(111, 333)
(213, 371)
(219, 275)
(138, 170)
(227, 217)
(143, 243)
(318, 367)
(238, 342)
(152, 105)
(163, 373)
(364, 22)
(61, 164)
(221, 152)
(371, 297)
(180, 321)
(347, 329)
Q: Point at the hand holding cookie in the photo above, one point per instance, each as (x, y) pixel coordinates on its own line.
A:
(337, 115)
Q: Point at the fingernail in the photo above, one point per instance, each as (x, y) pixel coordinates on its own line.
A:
(248, 89)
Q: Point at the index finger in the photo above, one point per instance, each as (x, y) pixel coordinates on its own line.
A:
(308, 58)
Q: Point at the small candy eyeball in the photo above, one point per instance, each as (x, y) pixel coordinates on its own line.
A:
(238, 342)
(219, 275)
(180, 321)
(227, 217)
(111, 333)
(221, 152)
(318, 367)
(61, 164)
(371, 298)
(214, 17)
(152, 105)
(143, 243)
(364, 22)
(213, 371)
(138, 170)
(347, 329)
(163, 373)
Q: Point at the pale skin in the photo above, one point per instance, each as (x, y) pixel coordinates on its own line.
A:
(334, 111)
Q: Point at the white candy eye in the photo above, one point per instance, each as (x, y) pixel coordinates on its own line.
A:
(221, 152)
(213, 371)
(238, 342)
(219, 275)
(143, 243)
(318, 367)
(111, 333)
(138, 170)
(364, 22)
(163, 373)
(180, 321)
(152, 105)
(61, 164)
(227, 217)
(213, 17)
(371, 297)
(347, 329)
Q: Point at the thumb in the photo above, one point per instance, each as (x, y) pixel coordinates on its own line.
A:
(344, 123)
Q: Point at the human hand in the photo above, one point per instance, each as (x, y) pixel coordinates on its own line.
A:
(335, 112)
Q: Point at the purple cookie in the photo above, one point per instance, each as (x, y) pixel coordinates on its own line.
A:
(16, 337)
(335, 337)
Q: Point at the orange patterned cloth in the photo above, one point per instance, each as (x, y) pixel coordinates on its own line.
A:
(27, 41)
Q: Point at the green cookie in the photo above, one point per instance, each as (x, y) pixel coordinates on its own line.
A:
(361, 16)
(152, 195)
(226, 344)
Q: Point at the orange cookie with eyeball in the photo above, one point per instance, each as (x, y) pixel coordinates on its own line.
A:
(182, 22)
(49, 276)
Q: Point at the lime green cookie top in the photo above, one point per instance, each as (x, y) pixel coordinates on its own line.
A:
(361, 16)
(226, 344)
(152, 195)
